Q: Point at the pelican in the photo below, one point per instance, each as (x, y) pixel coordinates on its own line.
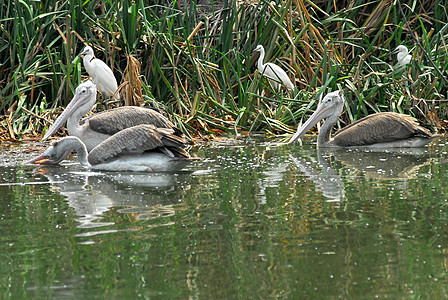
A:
(100, 72)
(101, 126)
(274, 73)
(380, 130)
(402, 55)
(142, 148)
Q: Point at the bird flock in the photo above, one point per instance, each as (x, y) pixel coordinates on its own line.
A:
(133, 138)
(126, 138)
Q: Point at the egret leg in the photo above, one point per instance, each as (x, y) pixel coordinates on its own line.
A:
(105, 101)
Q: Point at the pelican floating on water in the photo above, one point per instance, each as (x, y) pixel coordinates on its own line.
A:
(140, 148)
(274, 73)
(100, 72)
(380, 130)
(402, 55)
(101, 126)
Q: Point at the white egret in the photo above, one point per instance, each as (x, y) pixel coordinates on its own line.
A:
(380, 130)
(140, 148)
(100, 72)
(274, 73)
(402, 55)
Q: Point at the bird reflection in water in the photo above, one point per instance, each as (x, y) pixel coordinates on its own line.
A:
(93, 195)
(383, 164)
(327, 180)
(390, 164)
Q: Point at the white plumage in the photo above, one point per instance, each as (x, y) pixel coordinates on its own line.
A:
(100, 72)
(402, 55)
(274, 73)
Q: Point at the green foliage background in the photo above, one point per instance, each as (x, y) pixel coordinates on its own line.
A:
(198, 67)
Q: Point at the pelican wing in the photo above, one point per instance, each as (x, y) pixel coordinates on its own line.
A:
(114, 120)
(138, 139)
(380, 128)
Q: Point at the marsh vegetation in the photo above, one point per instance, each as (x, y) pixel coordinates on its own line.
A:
(196, 64)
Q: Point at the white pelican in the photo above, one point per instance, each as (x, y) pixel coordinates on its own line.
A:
(100, 72)
(402, 55)
(274, 73)
(380, 130)
(142, 148)
(101, 126)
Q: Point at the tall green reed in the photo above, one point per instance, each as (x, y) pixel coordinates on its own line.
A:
(199, 68)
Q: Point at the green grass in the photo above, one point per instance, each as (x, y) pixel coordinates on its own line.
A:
(206, 80)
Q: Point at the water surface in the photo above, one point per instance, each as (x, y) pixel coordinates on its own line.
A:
(252, 219)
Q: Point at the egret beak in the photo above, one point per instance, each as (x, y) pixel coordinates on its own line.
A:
(84, 52)
(394, 52)
(257, 49)
(321, 112)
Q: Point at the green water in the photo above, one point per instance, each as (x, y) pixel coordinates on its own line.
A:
(252, 220)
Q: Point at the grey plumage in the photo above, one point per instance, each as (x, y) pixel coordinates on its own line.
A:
(138, 139)
(380, 130)
(112, 121)
(95, 129)
(140, 148)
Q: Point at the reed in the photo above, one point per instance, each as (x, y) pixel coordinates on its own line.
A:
(196, 64)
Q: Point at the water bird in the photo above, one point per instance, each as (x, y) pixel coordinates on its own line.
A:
(380, 130)
(142, 148)
(100, 72)
(402, 55)
(274, 73)
(101, 126)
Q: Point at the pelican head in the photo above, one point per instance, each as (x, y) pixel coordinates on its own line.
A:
(82, 102)
(52, 156)
(330, 106)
